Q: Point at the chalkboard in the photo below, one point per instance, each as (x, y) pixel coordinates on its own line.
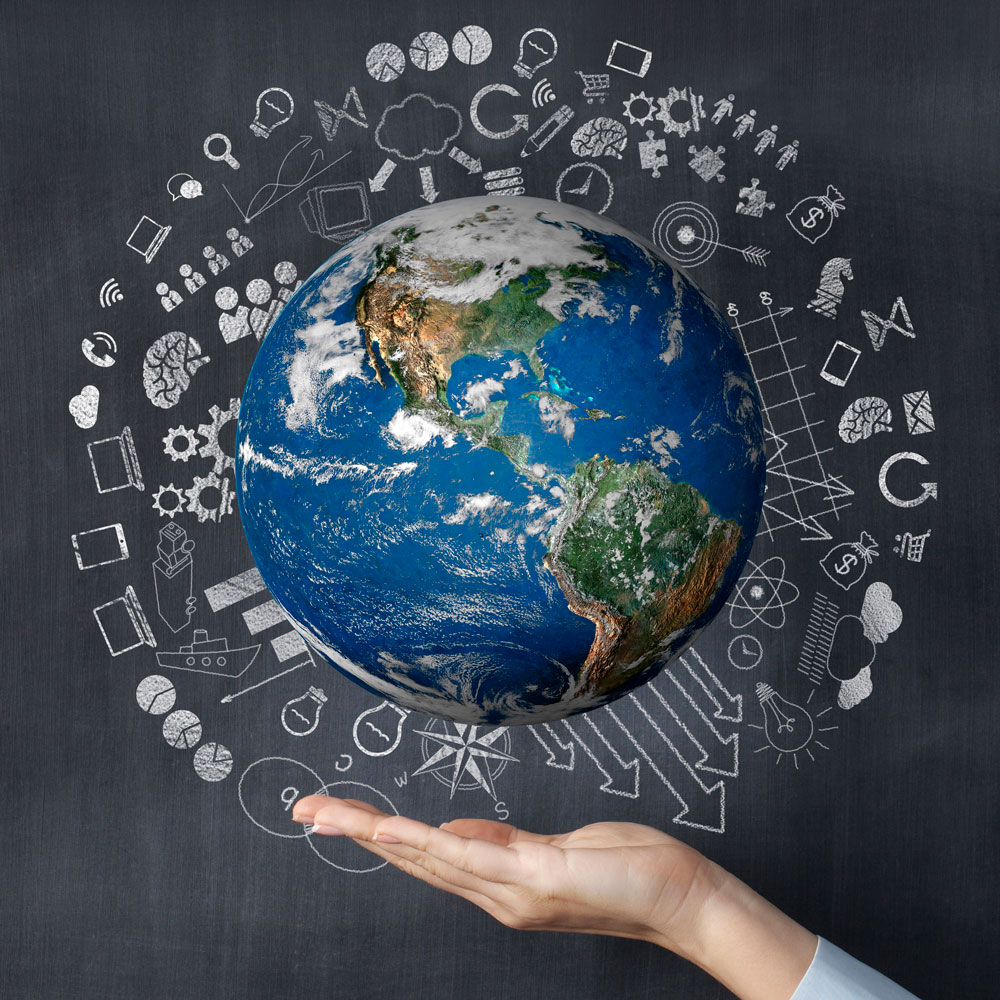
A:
(835, 169)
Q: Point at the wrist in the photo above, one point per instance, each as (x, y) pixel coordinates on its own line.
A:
(739, 938)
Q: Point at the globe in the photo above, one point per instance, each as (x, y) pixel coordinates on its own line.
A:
(499, 461)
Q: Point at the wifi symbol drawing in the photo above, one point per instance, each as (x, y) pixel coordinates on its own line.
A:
(542, 93)
(110, 293)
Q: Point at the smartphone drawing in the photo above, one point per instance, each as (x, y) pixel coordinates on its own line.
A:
(629, 58)
(100, 546)
(91, 353)
(840, 363)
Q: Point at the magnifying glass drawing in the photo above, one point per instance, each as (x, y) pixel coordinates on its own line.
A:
(226, 156)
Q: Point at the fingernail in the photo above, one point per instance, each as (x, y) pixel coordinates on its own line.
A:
(302, 819)
(327, 831)
(385, 838)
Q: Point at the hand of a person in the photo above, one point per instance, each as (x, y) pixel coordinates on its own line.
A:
(621, 879)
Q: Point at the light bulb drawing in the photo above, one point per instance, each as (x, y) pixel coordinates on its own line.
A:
(300, 716)
(377, 731)
(274, 108)
(789, 728)
(538, 49)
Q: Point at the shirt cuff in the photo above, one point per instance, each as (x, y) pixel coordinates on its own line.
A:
(835, 975)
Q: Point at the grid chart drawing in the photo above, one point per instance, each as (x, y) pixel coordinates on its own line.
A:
(799, 489)
(288, 646)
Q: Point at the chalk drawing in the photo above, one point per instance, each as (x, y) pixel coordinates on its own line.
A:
(911, 547)
(210, 432)
(766, 139)
(762, 595)
(170, 298)
(83, 406)
(300, 716)
(331, 117)
(744, 123)
(542, 93)
(595, 86)
(845, 564)
(745, 651)
(226, 156)
(341, 852)
(839, 363)
(820, 630)
(193, 280)
(385, 62)
(691, 103)
(919, 415)
(377, 731)
(520, 122)
(218, 506)
(429, 51)
(930, 490)
(788, 154)
(104, 358)
(269, 787)
(866, 416)
(599, 137)
(169, 501)
(173, 577)
(377, 183)
(631, 59)
(537, 49)
(548, 130)
(471, 163)
(110, 293)
(184, 186)
(464, 758)
(472, 45)
(146, 239)
(800, 491)
(723, 109)
(789, 728)
(652, 153)
(707, 162)
(209, 656)
(878, 327)
(180, 443)
(170, 362)
(753, 200)
(813, 216)
(155, 694)
(688, 232)
(114, 463)
(182, 729)
(585, 184)
(100, 546)
(213, 762)
(274, 107)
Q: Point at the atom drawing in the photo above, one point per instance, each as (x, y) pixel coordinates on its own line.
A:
(762, 595)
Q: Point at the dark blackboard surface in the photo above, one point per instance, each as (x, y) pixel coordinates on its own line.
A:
(124, 873)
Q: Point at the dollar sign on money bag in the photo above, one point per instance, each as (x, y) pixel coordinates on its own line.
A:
(813, 216)
(847, 562)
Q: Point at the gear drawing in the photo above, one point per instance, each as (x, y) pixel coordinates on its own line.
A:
(210, 432)
(671, 124)
(226, 497)
(180, 454)
(164, 491)
(633, 99)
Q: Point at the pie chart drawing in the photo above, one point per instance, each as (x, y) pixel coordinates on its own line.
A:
(385, 62)
(472, 45)
(182, 729)
(155, 694)
(428, 51)
(687, 233)
(213, 762)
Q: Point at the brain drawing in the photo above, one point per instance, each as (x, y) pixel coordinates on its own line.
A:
(170, 362)
(600, 137)
(864, 417)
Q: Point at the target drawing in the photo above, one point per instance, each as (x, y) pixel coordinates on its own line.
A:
(686, 232)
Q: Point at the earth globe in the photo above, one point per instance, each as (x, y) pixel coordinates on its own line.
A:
(499, 461)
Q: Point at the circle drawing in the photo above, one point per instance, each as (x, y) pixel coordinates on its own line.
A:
(745, 652)
(585, 184)
(155, 694)
(686, 232)
(462, 757)
(385, 62)
(271, 786)
(351, 857)
(213, 762)
(472, 45)
(762, 595)
(428, 51)
(182, 729)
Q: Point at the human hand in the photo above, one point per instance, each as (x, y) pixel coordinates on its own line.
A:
(622, 879)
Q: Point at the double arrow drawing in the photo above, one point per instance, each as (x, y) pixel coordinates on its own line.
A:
(695, 741)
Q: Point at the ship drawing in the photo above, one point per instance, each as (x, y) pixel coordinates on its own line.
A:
(210, 656)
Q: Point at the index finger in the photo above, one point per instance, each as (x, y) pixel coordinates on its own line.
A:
(485, 859)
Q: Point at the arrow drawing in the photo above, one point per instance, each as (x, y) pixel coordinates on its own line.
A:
(280, 188)
(628, 771)
(226, 699)
(377, 183)
(429, 193)
(721, 755)
(564, 760)
(706, 809)
(751, 254)
(474, 166)
(728, 707)
(520, 121)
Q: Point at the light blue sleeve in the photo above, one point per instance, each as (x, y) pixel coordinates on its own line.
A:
(834, 975)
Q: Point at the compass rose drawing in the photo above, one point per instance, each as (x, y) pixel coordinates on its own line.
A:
(464, 758)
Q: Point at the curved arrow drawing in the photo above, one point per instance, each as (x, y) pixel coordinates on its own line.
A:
(520, 121)
(930, 489)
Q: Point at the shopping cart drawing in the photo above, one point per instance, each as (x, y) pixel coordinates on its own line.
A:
(595, 85)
